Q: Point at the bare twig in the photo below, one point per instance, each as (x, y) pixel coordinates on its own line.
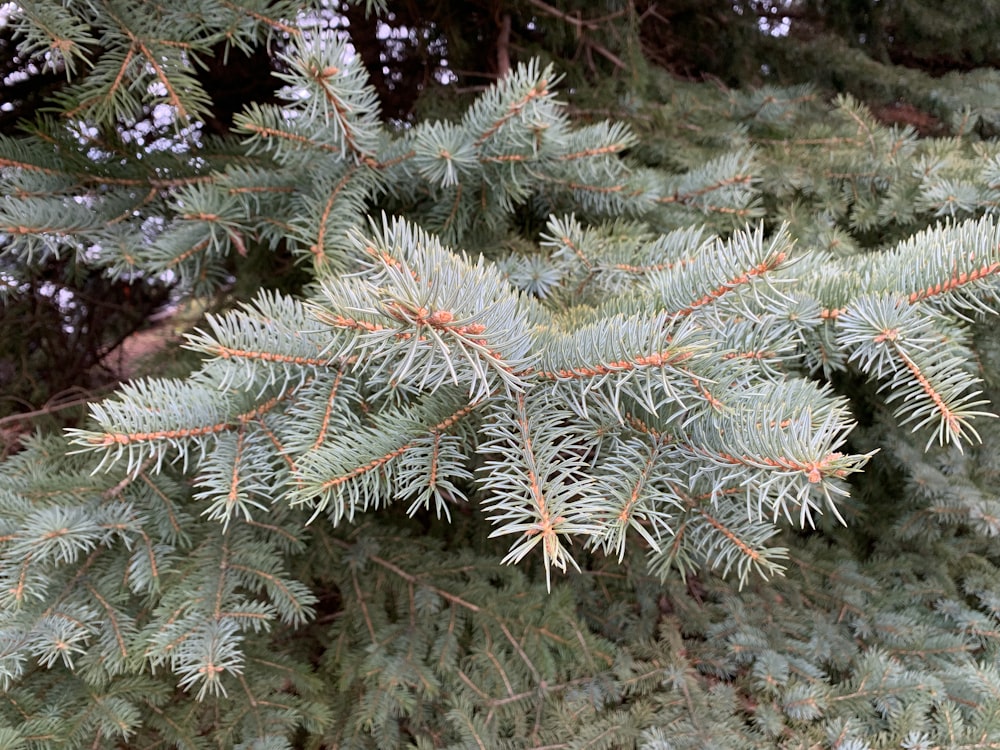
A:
(54, 406)
(575, 20)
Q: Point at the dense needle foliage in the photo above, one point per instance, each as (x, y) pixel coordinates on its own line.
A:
(668, 430)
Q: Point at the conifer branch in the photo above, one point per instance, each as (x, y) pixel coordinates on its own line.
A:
(538, 90)
(273, 22)
(645, 374)
(266, 133)
(225, 352)
(742, 179)
(240, 421)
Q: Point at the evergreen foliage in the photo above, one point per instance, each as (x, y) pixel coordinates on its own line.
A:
(716, 385)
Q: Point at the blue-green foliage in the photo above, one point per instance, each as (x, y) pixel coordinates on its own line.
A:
(640, 386)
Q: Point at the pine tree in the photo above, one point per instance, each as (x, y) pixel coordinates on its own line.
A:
(583, 433)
